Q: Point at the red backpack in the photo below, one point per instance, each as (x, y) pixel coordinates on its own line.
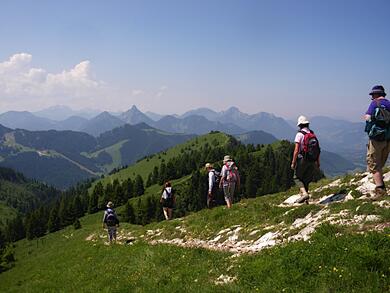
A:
(311, 147)
(232, 172)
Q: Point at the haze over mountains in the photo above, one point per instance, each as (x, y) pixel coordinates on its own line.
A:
(343, 142)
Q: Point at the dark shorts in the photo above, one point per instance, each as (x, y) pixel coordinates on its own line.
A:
(167, 203)
(304, 172)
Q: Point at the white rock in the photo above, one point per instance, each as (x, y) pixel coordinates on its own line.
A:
(292, 199)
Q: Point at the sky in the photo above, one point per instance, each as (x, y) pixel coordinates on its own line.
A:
(284, 57)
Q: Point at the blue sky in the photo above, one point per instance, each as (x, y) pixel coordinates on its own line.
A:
(284, 57)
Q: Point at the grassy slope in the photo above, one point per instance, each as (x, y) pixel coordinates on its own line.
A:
(336, 259)
(145, 166)
(114, 152)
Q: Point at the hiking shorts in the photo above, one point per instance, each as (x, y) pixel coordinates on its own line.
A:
(304, 172)
(111, 232)
(377, 153)
(167, 203)
(228, 191)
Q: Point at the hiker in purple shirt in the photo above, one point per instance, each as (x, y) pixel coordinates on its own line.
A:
(377, 127)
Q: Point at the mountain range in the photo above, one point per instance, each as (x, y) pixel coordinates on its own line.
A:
(63, 158)
(200, 121)
(344, 138)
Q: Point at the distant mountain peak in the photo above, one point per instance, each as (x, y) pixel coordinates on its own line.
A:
(134, 116)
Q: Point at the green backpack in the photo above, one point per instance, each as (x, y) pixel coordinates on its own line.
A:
(379, 126)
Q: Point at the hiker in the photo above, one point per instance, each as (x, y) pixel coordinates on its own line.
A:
(213, 180)
(110, 220)
(167, 200)
(377, 127)
(229, 180)
(306, 158)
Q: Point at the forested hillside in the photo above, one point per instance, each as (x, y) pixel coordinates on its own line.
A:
(64, 158)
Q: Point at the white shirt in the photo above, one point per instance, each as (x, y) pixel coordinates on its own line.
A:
(300, 136)
(211, 179)
(165, 194)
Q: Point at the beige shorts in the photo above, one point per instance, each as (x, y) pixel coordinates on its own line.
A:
(377, 153)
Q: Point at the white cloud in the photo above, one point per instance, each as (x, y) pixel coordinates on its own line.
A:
(161, 91)
(137, 92)
(18, 79)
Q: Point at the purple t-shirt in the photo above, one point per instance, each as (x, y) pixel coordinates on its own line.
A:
(374, 105)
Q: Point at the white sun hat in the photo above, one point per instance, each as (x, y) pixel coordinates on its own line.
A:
(302, 120)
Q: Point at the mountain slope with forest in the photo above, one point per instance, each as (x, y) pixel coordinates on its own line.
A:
(262, 244)
(63, 158)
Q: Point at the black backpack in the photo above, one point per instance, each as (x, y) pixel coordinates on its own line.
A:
(111, 218)
(217, 177)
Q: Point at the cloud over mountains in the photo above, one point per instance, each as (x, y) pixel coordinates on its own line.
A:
(18, 78)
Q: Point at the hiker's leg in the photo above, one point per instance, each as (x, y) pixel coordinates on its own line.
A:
(232, 190)
(298, 174)
(378, 178)
(114, 233)
(209, 199)
(165, 210)
(226, 194)
(170, 212)
(110, 233)
(376, 158)
(228, 202)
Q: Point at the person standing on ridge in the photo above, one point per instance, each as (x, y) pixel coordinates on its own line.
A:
(306, 158)
(213, 180)
(378, 129)
(168, 200)
(230, 178)
(110, 220)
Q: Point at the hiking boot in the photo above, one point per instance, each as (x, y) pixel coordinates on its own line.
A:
(379, 193)
(303, 198)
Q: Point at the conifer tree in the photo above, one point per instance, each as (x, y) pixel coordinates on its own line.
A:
(54, 223)
(139, 185)
(128, 188)
(93, 203)
(129, 213)
(15, 229)
(77, 207)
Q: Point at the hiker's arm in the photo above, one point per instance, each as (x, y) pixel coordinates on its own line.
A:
(318, 161)
(222, 177)
(211, 182)
(295, 156)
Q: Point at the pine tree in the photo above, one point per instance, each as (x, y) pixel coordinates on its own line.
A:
(149, 180)
(162, 174)
(155, 175)
(129, 213)
(128, 188)
(77, 207)
(54, 223)
(93, 203)
(15, 229)
(139, 185)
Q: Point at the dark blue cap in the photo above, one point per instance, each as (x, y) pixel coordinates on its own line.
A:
(378, 90)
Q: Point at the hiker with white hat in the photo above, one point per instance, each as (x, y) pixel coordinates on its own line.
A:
(306, 158)
(378, 130)
(213, 182)
(110, 221)
(230, 178)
